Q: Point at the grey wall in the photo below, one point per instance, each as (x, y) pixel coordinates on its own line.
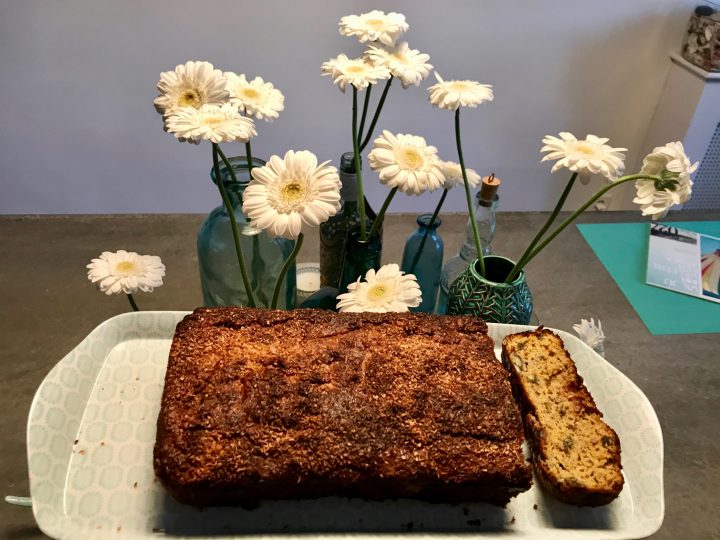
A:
(80, 135)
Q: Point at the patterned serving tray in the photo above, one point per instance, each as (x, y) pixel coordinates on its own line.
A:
(92, 426)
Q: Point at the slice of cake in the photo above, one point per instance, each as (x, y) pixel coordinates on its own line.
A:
(575, 453)
(262, 404)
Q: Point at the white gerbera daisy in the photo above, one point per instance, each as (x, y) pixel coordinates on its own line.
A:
(192, 84)
(126, 272)
(406, 64)
(591, 333)
(255, 98)
(355, 71)
(374, 26)
(211, 123)
(453, 175)
(455, 94)
(387, 290)
(585, 156)
(289, 194)
(406, 162)
(672, 165)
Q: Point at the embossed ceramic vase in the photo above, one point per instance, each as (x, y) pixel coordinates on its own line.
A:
(490, 298)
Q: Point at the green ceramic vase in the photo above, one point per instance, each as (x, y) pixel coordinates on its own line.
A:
(490, 298)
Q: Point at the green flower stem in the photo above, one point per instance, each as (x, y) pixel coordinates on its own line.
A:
(356, 156)
(476, 234)
(549, 222)
(517, 268)
(257, 265)
(427, 231)
(364, 112)
(227, 163)
(381, 214)
(248, 154)
(233, 221)
(377, 114)
(132, 302)
(284, 270)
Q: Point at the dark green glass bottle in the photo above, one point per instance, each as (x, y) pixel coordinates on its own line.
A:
(334, 232)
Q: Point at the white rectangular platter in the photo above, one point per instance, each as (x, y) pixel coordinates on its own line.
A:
(92, 427)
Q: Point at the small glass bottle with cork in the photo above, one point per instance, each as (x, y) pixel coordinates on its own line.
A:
(485, 206)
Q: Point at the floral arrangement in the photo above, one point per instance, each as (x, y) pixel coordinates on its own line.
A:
(293, 193)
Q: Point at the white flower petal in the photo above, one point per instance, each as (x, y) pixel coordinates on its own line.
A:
(654, 201)
(387, 290)
(452, 95)
(452, 175)
(212, 123)
(124, 271)
(374, 26)
(408, 65)
(292, 193)
(406, 162)
(255, 98)
(584, 156)
(357, 72)
(591, 333)
(192, 84)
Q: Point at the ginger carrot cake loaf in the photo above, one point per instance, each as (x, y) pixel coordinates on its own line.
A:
(263, 404)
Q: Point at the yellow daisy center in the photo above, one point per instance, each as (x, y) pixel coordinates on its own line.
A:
(190, 98)
(459, 86)
(292, 191)
(400, 58)
(411, 158)
(213, 121)
(585, 149)
(377, 292)
(125, 267)
(250, 93)
(355, 69)
(376, 23)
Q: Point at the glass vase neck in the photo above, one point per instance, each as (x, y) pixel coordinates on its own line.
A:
(497, 269)
(486, 203)
(423, 221)
(348, 178)
(484, 211)
(242, 174)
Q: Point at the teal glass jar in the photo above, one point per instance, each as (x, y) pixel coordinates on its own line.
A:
(220, 276)
(423, 257)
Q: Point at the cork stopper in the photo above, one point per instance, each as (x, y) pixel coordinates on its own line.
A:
(489, 187)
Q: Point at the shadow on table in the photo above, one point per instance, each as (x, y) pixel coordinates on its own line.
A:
(332, 515)
(564, 516)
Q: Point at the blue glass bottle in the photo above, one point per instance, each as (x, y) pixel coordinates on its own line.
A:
(264, 256)
(423, 256)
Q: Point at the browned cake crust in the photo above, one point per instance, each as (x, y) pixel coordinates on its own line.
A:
(262, 404)
(575, 453)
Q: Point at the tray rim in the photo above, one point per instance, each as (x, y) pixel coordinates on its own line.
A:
(59, 526)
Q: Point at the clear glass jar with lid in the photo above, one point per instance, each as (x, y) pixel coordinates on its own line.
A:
(701, 45)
